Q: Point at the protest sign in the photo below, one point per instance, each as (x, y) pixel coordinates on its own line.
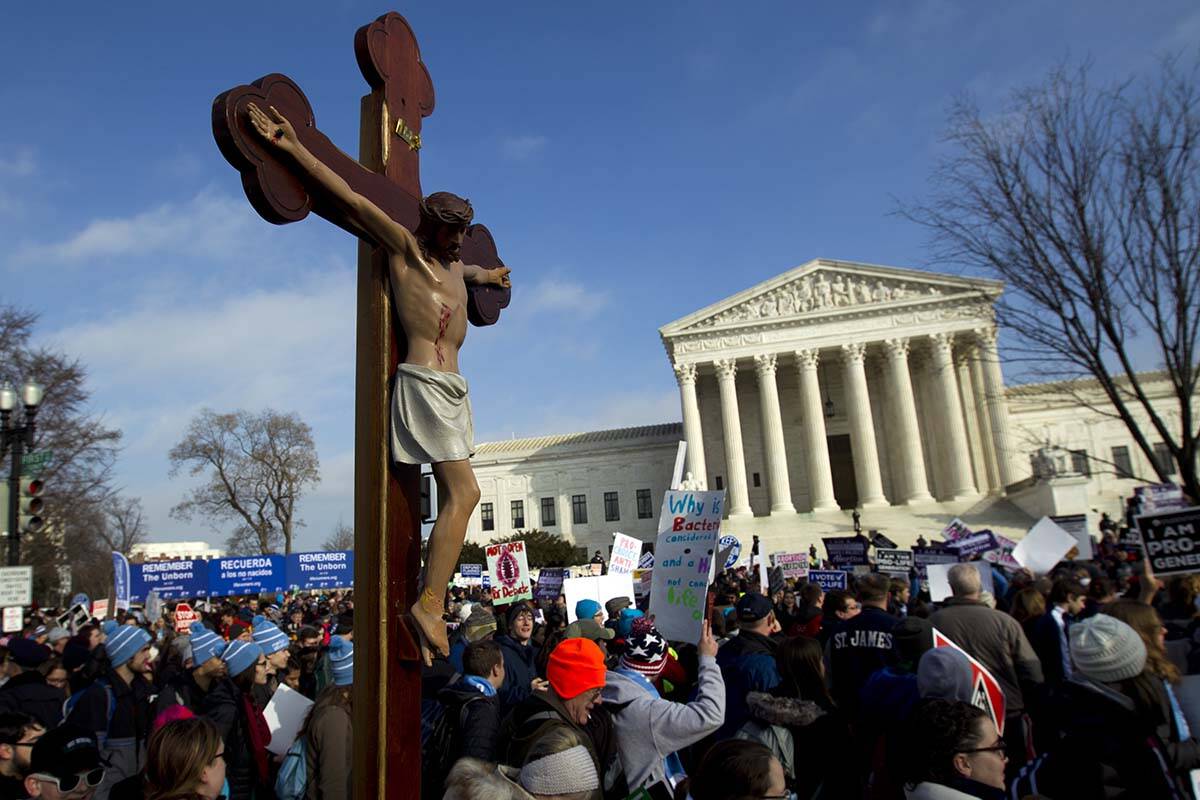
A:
(596, 569)
(184, 617)
(471, 570)
(549, 584)
(939, 579)
(625, 552)
(924, 556)
(1002, 556)
(986, 692)
(285, 716)
(967, 546)
(878, 540)
(642, 580)
(828, 579)
(895, 562)
(171, 579)
(1160, 497)
(955, 529)
(688, 527)
(846, 551)
(14, 619)
(322, 570)
(600, 588)
(1171, 540)
(154, 606)
(1043, 547)
(246, 575)
(121, 580)
(794, 565)
(508, 566)
(731, 546)
(1077, 526)
(646, 561)
(100, 608)
(81, 599)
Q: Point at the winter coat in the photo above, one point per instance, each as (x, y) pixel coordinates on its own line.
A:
(812, 744)
(182, 690)
(650, 728)
(519, 670)
(1044, 637)
(747, 663)
(927, 790)
(123, 739)
(858, 647)
(29, 692)
(328, 756)
(543, 712)
(223, 705)
(997, 641)
(478, 733)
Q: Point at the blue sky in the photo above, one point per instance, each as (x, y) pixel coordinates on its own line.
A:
(635, 163)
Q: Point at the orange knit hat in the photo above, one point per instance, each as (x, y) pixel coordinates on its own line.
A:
(575, 666)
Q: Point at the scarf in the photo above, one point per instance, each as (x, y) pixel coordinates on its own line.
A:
(259, 734)
(485, 688)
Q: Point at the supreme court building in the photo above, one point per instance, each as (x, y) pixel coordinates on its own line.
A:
(831, 387)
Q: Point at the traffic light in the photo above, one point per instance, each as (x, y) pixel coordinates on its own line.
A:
(31, 519)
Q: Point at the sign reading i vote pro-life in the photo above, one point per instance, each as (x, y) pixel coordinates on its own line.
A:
(170, 579)
(688, 526)
(246, 575)
(332, 570)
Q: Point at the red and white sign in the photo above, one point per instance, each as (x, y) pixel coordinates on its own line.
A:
(508, 566)
(625, 553)
(184, 617)
(100, 608)
(985, 690)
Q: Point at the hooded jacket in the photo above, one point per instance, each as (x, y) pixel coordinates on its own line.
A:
(122, 737)
(328, 756)
(543, 711)
(649, 728)
(30, 693)
(812, 744)
(747, 663)
(479, 733)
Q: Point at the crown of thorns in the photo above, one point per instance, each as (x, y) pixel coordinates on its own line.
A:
(447, 208)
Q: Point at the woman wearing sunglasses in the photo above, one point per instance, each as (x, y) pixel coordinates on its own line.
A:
(955, 753)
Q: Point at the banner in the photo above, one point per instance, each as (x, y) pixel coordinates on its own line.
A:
(828, 579)
(986, 692)
(121, 580)
(1160, 497)
(794, 565)
(1171, 540)
(688, 527)
(896, 562)
(1003, 556)
(967, 546)
(246, 575)
(924, 556)
(846, 551)
(508, 566)
(471, 570)
(550, 584)
(646, 561)
(171, 579)
(329, 570)
(625, 553)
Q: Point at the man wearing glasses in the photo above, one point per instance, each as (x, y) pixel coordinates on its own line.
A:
(18, 733)
(65, 764)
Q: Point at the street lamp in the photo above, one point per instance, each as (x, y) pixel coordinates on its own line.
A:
(17, 438)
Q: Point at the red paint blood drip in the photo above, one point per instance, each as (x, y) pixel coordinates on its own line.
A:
(443, 321)
(507, 569)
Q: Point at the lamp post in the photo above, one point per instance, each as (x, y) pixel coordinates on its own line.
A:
(17, 438)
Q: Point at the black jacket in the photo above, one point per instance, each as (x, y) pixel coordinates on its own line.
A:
(182, 690)
(223, 705)
(857, 648)
(519, 670)
(1046, 642)
(122, 729)
(476, 718)
(747, 663)
(30, 693)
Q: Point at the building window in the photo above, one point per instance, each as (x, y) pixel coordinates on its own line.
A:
(612, 510)
(1162, 457)
(548, 517)
(757, 481)
(485, 516)
(579, 509)
(643, 504)
(1122, 462)
(1081, 463)
(518, 514)
(720, 483)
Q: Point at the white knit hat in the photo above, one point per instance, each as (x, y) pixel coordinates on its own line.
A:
(567, 772)
(1105, 649)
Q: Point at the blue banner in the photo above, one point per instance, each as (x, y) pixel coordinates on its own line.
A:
(828, 579)
(246, 575)
(321, 570)
(471, 570)
(121, 580)
(172, 579)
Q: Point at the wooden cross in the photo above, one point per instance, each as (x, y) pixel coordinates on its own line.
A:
(387, 524)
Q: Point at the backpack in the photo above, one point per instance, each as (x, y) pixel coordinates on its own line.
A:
(439, 745)
(292, 781)
(73, 701)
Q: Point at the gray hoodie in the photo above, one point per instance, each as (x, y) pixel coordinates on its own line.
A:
(650, 728)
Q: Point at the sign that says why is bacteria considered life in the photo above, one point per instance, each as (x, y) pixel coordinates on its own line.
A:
(688, 527)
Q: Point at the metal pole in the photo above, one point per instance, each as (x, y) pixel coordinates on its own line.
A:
(14, 500)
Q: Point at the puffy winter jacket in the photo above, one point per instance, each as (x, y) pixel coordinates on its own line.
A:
(747, 663)
(122, 730)
(479, 733)
(812, 744)
(30, 693)
(519, 670)
(329, 757)
(223, 705)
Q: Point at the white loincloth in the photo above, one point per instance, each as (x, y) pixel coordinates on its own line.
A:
(431, 416)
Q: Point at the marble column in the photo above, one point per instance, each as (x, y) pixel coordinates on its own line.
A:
(975, 439)
(820, 476)
(731, 426)
(779, 487)
(862, 428)
(983, 415)
(957, 452)
(997, 406)
(685, 374)
(910, 454)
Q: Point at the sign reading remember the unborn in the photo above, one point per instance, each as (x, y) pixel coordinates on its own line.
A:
(688, 527)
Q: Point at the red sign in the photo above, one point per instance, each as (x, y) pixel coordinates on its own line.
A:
(985, 690)
(184, 617)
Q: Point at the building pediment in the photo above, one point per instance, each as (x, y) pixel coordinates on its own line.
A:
(826, 290)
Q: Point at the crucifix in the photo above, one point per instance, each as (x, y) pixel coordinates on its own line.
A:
(424, 270)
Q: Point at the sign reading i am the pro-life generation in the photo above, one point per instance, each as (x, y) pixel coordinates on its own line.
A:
(893, 561)
(1171, 540)
(688, 527)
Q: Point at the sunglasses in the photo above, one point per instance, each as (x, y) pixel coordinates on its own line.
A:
(72, 782)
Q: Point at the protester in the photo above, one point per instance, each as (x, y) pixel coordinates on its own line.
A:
(230, 704)
(472, 702)
(274, 644)
(747, 661)
(190, 687)
(520, 656)
(329, 729)
(738, 769)
(57, 639)
(837, 607)
(477, 627)
(186, 758)
(862, 644)
(1049, 639)
(18, 733)
(954, 751)
(65, 763)
(28, 690)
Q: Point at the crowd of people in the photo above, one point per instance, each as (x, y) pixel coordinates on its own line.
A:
(791, 692)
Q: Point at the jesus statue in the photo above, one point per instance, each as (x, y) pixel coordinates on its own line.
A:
(431, 414)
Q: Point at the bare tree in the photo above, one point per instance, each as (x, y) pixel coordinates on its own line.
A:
(123, 523)
(257, 468)
(342, 538)
(1085, 200)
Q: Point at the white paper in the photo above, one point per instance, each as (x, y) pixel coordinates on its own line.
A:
(939, 578)
(1043, 547)
(285, 716)
(601, 588)
(626, 551)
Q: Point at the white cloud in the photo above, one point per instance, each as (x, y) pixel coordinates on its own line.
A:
(558, 295)
(520, 148)
(19, 162)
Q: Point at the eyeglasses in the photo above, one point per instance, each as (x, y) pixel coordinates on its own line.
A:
(220, 755)
(998, 747)
(73, 782)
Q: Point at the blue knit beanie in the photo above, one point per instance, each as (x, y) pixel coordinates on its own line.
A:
(341, 658)
(268, 636)
(625, 621)
(124, 644)
(205, 643)
(109, 627)
(240, 656)
(586, 609)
